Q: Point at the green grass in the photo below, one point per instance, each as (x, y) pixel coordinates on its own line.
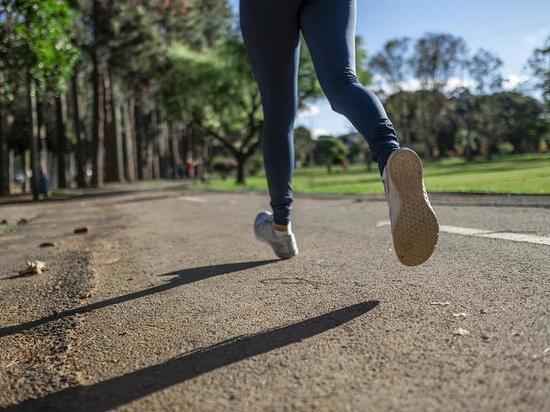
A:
(516, 174)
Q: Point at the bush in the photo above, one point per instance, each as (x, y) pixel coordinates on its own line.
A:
(505, 148)
(223, 165)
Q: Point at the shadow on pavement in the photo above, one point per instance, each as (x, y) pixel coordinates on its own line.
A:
(180, 278)
(121, 390)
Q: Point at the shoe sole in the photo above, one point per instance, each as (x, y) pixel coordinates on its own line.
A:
(267, 242)
(416, 229)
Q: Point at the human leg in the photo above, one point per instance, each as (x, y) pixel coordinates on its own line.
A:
(329, 29)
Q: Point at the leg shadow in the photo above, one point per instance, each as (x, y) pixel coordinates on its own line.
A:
(119, 391)
(179, 278)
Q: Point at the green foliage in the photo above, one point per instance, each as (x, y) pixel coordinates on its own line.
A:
(303, 145)
(540, 65)
(514, 118)
(484, 69)
(223, 166)
(35, 38)
(200, 24)
(330, 150)
(392, 62)
(437, 57)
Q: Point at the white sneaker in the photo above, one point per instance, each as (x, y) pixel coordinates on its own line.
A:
(414, 225)
(283, 244)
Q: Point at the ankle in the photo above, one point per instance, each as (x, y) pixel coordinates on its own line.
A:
(281, 228)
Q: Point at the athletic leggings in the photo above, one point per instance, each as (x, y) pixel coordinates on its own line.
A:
(271, 31)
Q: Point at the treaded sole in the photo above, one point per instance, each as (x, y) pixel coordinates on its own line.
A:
(416, 230)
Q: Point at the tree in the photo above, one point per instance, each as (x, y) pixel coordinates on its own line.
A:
(217, 93)
(402, 108)
(392, 63)
(467, 111)
(35, 40)
(329, 150)
(515, 118)
(304, 145)
(437, 58)
(539, 63)
(484, 68)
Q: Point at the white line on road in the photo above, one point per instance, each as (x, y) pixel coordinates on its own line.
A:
(466, 231)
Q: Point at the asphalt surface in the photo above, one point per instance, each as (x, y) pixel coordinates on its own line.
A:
(169, 303)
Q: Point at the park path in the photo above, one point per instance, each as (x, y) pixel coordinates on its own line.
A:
(171, 304)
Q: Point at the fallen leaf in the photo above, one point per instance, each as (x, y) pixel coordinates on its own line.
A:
(23, 221)
(80, 230)
(47, 244)
(440, 303)
(460, 315)
(33, 268)
(461, 332)
(4, 222)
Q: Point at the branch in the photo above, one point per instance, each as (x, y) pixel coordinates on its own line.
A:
(219, 138)
(252, 148)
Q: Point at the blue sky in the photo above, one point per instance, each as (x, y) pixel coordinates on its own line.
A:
(509, 28)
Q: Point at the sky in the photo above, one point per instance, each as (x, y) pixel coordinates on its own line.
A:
(511, 29)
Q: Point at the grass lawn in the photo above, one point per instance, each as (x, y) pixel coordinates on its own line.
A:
(516, 174)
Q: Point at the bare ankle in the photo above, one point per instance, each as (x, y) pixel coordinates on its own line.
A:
(282, 228)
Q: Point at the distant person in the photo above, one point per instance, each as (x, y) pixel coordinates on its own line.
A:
(271, 31)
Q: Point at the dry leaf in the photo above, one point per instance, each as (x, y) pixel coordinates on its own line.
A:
(440, 303)
(47, 244)
(461, 332)
(33, 268)
(80, 230)
(460, 315)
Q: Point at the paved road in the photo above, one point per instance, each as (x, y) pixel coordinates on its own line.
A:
(169, 303)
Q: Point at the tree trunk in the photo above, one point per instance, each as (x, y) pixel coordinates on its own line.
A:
(429, 151)
(151, 141)
(11, 169)
(175, 159)
(468, 152)
(4, 171)
(153, 144)
(61, 122)
(43, 163)
(128, 142)
(113, 140)
(140, 139)
(98, 131)
(241, 170)
(162, 145)
(98, 106)
(79, 131)
(32, 107)
(117, 123)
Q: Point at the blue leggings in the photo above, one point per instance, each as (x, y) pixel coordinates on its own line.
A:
(271, 31)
